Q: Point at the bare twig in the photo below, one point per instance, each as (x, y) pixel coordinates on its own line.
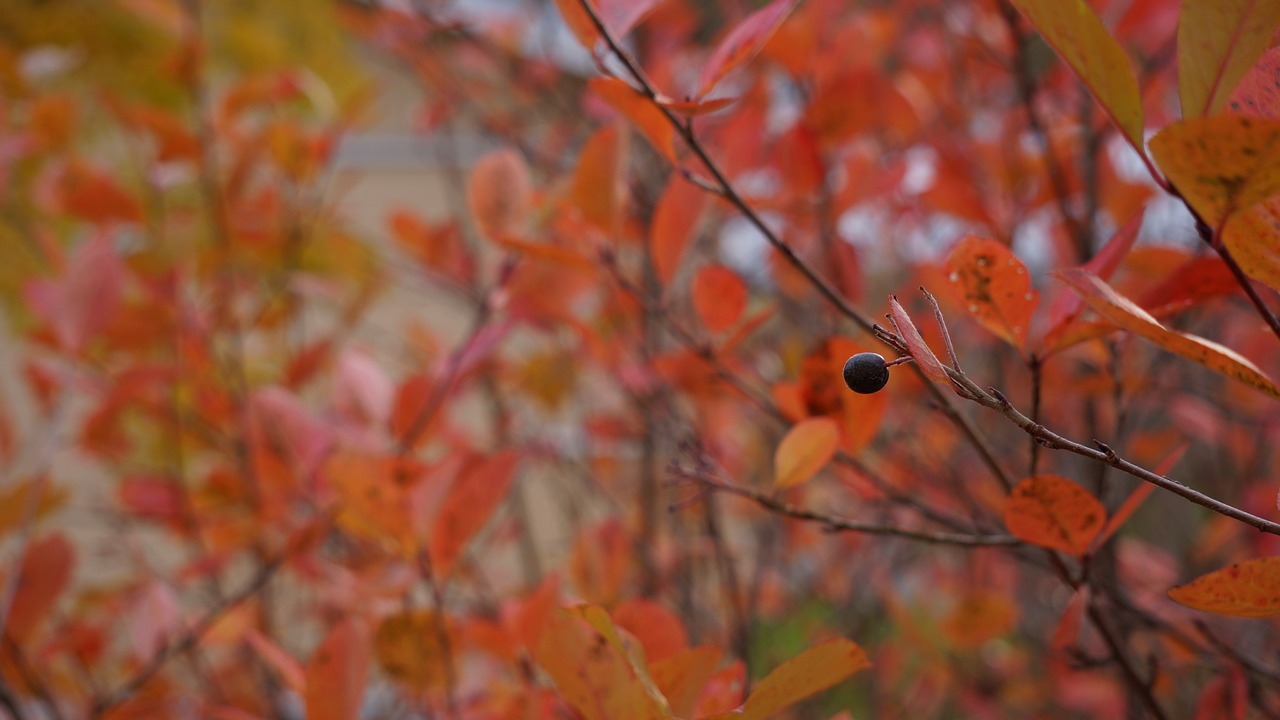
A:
(839, 524)
(187, 641)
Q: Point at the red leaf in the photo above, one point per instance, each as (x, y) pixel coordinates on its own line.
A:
(91, 195)
(337, 671)
(1258, 93)
(1068, 306)
(1068, 632)
(743, 42)
(658, 629)
(640, 111)
(719, 297)
(475, 495)
(82, 302)
(675, 221)
(598, 188)
(919, 350)
(43, 575)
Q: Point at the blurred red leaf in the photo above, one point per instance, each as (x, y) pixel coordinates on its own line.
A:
(743, 42)
(719, 297)
(337, 671)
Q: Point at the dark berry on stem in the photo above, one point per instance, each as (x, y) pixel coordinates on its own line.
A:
(866, 373)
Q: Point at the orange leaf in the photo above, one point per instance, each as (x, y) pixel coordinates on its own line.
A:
(1123, 312)
(1247, 589)
(499, 192)
(1054, 512)
(1077, 34)
(1221, 164)
(979, 615)
(994, 287)
(475, 494)
(579, 22)
(920, 351)
(91, 195)
(591, 674)
(675, 220)
(1253, 237)
(14, 499)
(408, 649)
(43, 576)
(1218, 40)
(813, 671)
(640, 111)
(658, 629)
(1258, 93)
(598, 189)
(719, 297)
(743, 42)
(682, 676)
(805, 450)
(337, 671)
(372, 501)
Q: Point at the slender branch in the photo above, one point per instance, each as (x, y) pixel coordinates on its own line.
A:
(839, 524)
(188, 640)
(995, 400)
(1140, 686)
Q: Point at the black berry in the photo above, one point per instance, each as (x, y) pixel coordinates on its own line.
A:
(865, 373)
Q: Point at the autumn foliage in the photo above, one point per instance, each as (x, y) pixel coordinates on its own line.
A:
(567, 436)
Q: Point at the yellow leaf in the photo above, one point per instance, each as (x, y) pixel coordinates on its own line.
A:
(1124, 312)
(591, 674)
(407, 648)
(1218, 41)
(1247, 589)
(1220, 164)
(1077, 34)
(804, 451)
(813, 671)
(1253, 237)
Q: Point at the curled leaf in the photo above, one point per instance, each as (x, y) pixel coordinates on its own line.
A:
(1124, 312)
(920, 351)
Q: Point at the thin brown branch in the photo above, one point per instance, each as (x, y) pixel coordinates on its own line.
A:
(187, 641)
(839, 524)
